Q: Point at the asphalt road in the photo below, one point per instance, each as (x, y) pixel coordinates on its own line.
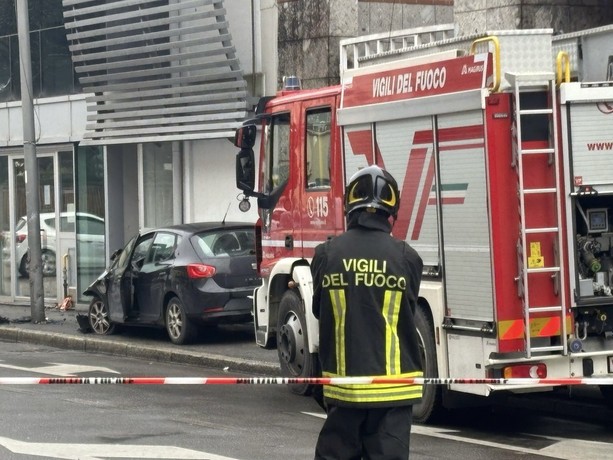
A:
(232, 348)
(231, 422)
(227, 346)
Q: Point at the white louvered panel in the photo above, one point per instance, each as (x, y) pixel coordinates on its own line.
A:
(128, 96)
(147, 117)
(139, 50)
(144, 38)
(158, 70)
(127, 88)
(180, 101)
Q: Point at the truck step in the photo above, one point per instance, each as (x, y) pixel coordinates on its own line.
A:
(543, 270)
(545, 309)
(536, 151)
(542, 230)
(533, 191)
(544, 349)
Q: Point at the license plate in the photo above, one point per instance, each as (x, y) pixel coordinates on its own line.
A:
(610, 359)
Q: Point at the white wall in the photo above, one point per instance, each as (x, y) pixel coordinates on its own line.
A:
(56, 119)
(210, 183)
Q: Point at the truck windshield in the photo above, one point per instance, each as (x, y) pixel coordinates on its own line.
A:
(276, 155)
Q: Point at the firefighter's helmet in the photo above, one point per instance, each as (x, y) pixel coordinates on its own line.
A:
(372, 188)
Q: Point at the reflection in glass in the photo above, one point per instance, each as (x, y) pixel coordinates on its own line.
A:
(157, 184)
(90, 225)
(5, 235)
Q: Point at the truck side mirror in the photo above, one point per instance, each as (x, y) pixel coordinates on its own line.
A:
(245, 170)
(244, 137)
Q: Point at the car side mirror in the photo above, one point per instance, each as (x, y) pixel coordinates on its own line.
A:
(116, 254)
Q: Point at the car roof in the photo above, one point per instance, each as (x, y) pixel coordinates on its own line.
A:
(47, 215)
(197, 227)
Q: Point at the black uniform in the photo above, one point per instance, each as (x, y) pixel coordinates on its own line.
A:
(365, 291)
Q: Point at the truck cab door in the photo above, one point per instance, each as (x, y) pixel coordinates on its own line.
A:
(321, 181)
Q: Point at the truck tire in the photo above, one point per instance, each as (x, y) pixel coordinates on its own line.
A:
(431, 406)
(293, 343)
(607, 394)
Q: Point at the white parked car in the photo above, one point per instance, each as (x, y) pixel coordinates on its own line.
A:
(90, 230)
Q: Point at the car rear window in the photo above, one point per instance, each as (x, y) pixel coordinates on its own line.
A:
(224, 243)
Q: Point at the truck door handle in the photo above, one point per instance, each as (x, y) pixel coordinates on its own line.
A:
(289, 242)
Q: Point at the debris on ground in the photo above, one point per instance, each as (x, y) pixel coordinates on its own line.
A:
(84, 325)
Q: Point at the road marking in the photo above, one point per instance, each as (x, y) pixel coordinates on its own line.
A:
(562, 449)
(100, 451)
(61, 369)
(571, 449)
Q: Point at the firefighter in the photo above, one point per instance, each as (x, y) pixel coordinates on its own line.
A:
(365, 292)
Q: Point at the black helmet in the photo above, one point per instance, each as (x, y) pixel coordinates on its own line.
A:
(374, 188)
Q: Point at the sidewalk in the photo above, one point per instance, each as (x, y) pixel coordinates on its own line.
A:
(226, 348)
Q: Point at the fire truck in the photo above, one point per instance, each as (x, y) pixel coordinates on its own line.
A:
(502, 145)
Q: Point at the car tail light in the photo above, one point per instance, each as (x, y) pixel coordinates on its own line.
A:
(531, 371)
(21, 237)
(200, 271)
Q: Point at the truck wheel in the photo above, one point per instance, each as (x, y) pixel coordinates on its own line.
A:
(430, 407)
(292, 343)
(607, 393)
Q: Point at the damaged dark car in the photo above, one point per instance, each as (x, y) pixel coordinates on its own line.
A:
(179, 277)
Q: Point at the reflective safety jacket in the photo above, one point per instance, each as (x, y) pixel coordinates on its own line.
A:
(365, 291)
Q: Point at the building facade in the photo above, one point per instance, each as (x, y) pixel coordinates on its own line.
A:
(135, 103)
(310, 30)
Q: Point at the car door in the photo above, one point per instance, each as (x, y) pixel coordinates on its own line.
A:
(119, 289)
(150, 285)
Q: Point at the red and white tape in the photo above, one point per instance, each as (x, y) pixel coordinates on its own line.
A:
(308, 380)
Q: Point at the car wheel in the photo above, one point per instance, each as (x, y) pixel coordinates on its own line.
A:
(23, 266)
(430, 408)
(293, 344)
(99, 318)
(48, 264)
(180, 328)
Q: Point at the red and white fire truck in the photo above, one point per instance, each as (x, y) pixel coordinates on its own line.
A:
(502, 144)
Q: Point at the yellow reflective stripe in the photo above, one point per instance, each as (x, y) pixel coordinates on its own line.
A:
(374, 393)
(406, 375)
(391, 308)
(339, 307)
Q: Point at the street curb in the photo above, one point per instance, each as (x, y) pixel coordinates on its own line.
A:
(99, 345)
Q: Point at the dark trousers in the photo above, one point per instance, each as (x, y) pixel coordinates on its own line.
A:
(368, 434)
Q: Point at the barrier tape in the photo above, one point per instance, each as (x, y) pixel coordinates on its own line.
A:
(306, 380)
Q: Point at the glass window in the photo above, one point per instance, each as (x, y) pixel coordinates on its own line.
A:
(277, 150)
(6, 237)
(88, 195)
(224, 243)
(89, 225)
(158, 184)
(8, 19)
(6, 83)
(124, 257)
(163, 247)
(141, 250)
(318, 148)
(52, 69)
(57, 75)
